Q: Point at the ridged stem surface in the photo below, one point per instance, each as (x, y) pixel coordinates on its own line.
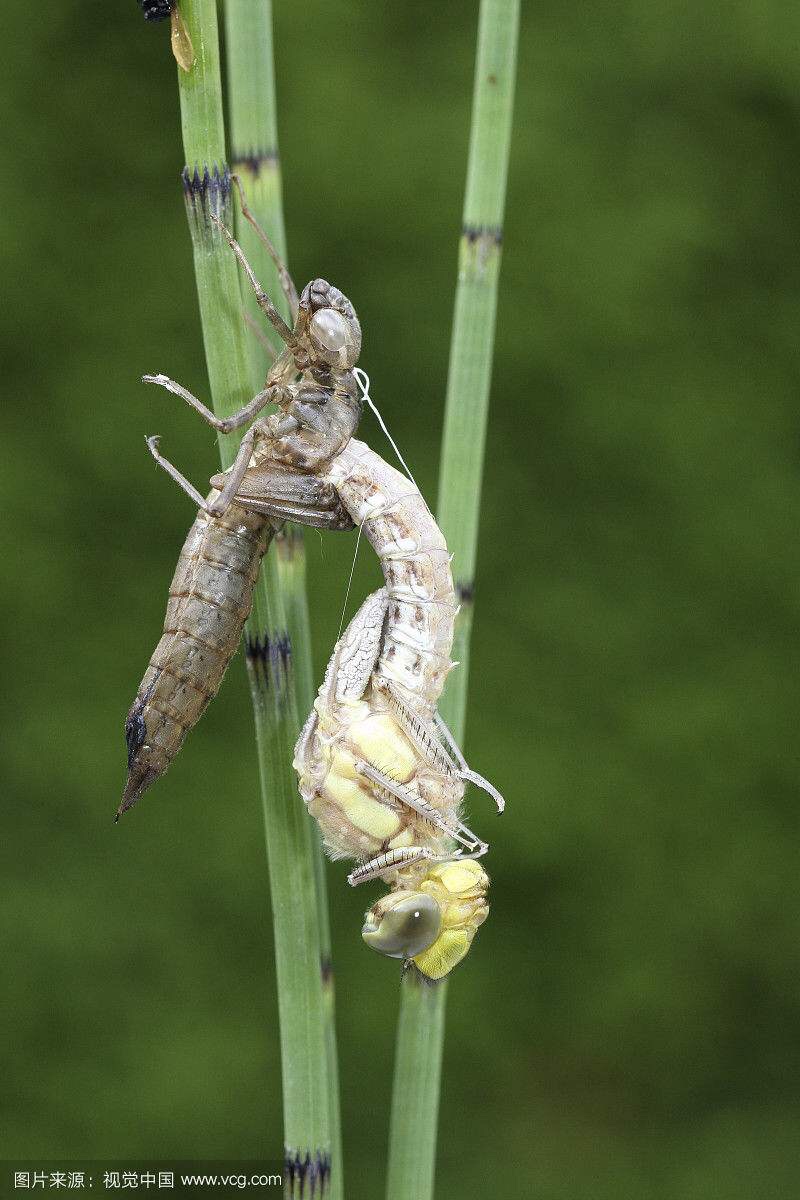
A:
(420, 1031)
(256, 159)
(269, 647)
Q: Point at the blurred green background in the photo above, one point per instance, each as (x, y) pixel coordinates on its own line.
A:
(627, 1024)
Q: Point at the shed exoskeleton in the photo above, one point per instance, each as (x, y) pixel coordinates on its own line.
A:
(378, 768)
(313, 387)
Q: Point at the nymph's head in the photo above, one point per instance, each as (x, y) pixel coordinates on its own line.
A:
(327, 332)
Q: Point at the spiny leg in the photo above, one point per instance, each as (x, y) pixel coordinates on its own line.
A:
(234, 477)
(424, 736)
(405, 856)
(173, 472)
(458, 831)
(420, 732)
(223, 424)
(262, 299)
(466, 772)
(390, 860)
(287, 283)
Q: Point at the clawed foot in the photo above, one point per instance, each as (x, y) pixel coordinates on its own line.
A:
(153, 445)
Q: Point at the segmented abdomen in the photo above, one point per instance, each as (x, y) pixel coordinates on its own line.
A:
(416, 565)
(209, 601)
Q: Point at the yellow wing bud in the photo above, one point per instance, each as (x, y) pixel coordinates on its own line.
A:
(380, 742)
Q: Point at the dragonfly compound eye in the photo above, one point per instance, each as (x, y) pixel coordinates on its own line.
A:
(329, 330)
(403, 927)
(333, 338)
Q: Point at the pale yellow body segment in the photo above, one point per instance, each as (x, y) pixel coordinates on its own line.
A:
(355, 819)
(460, 890)
(371, 768)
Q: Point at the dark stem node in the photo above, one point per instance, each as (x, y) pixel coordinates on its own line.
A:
(206, 192)
(254, 161)
(465, 590)
(270, 658)
(493, 234)
(307, 1173)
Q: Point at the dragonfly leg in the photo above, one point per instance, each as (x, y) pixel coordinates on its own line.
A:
(262, 299)
(465, 771)
(457, 830)
(335, 520)
(261, 337)
(420, 731)
(232, 478)
(446, 758)
(173, 472)
(235, 473)
(223, 424)
(287, 283)
(390, 860)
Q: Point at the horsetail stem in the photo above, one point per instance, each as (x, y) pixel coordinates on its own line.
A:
(254, 152)
(290, 561)
(420, 1032)
(255, 156)
(472, 342)
(304, 1054)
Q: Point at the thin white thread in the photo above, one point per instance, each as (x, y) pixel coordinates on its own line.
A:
(349, 582)
(362, 379)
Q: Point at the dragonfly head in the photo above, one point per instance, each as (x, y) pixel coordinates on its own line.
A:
(431, 917)
(327, 330)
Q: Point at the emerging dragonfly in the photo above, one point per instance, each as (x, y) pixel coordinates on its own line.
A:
(377, 766)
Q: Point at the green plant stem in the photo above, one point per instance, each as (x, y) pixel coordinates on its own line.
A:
(420, 1033)
(472, 342)
(256, 159)
(270, 662)
(417, 1079)
(290, 558)
(254, 151)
